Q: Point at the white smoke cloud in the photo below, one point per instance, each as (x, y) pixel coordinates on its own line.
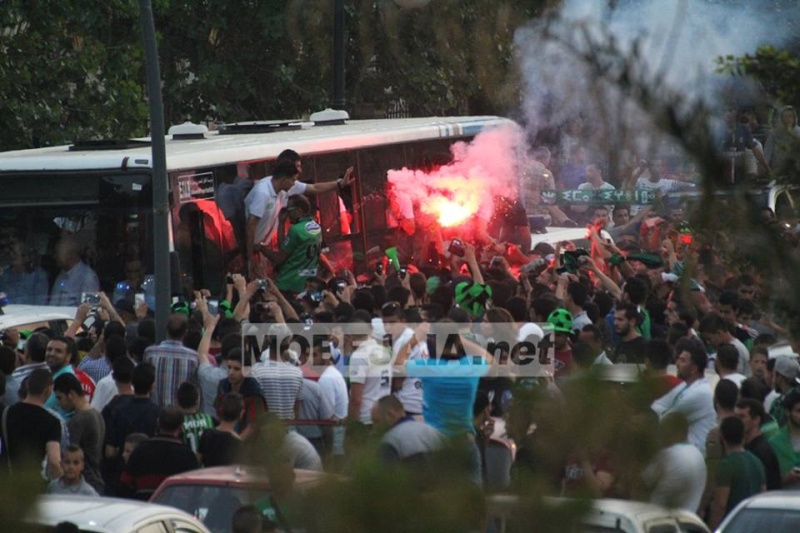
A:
(677, 42)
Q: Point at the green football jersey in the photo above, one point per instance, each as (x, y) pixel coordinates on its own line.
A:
(301, 246)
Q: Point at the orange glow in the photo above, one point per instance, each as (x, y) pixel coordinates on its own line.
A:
(453, 200)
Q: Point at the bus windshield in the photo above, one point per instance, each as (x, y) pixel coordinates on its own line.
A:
(104, 216)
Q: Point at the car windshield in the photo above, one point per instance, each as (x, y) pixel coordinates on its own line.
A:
(764, 520)
(214, 505)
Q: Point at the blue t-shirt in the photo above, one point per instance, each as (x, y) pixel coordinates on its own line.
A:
(449, 388)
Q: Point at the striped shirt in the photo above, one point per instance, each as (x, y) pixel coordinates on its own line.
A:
(175, 363)
(282, 385)
(96, 368)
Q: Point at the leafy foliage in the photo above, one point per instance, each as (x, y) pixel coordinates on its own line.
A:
(777, 70)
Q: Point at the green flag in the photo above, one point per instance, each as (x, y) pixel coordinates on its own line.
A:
(391, 253)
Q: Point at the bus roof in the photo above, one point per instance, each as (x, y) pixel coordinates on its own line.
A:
(216, 149)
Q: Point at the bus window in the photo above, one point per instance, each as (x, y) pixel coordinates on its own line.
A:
(373, 165)
(336, 210)
(204, 238)
(107, 215)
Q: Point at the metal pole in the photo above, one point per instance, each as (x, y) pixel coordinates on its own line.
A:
(338, 101)
(159, 157)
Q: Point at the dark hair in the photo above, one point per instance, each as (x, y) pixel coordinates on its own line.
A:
(754, 388)
(578, 292)
(458, 315)
(284, 168)
(729, 298)
(418, 285)
(728, 357)
(38, 381)
(392, 309)
(68, 382)
(696, 350)
(290, 155)
(636, 289)
(594, 330)
(115, 348)
(193, 338)
(518, 308)
(543, 305)
(188, 395)
(236, 355)
(147, 329)
(398, 293)
(363, 299)
(122, 370)
(231, 407)
(725, 394)
(712, 323)
(732, 430)
(36, 347)
(631, 312)
(113, 328)
(764, 339)
(659, 353)
(74, 448)
(170, 419)
(144, 375)
(301, 202)
(755, 408)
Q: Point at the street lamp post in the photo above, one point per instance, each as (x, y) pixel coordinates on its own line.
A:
(159, 158)
(338, 100)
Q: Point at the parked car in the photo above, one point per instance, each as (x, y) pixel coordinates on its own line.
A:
(112, 515)
(619, 516)
(29, 318)
(214, 494)
(770, 512)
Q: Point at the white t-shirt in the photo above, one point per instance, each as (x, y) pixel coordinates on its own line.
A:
(370, 365)
(410, 394)
(265, 204)
(696, 403)
(677, 476)
(104, 391)
(335, 389)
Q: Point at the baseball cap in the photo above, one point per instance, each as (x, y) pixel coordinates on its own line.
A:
(787, 367)
(530, 329)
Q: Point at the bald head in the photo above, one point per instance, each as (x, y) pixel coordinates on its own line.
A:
(387, 411)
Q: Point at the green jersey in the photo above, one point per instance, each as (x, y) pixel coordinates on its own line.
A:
(301, 247)
(193, 427)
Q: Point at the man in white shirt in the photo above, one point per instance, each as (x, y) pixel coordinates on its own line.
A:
(693, 398)
(333, 387)
(716, 331)
(677, 475)
(264, 202)
(408, 390)
(370, 372)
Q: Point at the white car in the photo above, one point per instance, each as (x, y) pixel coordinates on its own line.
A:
(770, 512)
(112, 515)
(33, 317)
(506, 514)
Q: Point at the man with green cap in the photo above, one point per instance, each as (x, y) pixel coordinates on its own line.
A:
(561, 320)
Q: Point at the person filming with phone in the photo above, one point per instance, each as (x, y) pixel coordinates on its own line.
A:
(297, 257)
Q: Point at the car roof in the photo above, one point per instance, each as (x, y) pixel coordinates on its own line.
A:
(16, 314)
(251, 476)
(100, 514)
(774, 500)
(641, 511)
(555, 235)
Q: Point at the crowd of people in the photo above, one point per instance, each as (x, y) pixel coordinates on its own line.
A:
(112, 412)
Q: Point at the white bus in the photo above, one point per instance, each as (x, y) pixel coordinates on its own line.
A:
(101, 192)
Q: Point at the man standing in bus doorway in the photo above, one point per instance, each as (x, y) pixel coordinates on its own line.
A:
(75, 278)
(265, 201)
(298, 256)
